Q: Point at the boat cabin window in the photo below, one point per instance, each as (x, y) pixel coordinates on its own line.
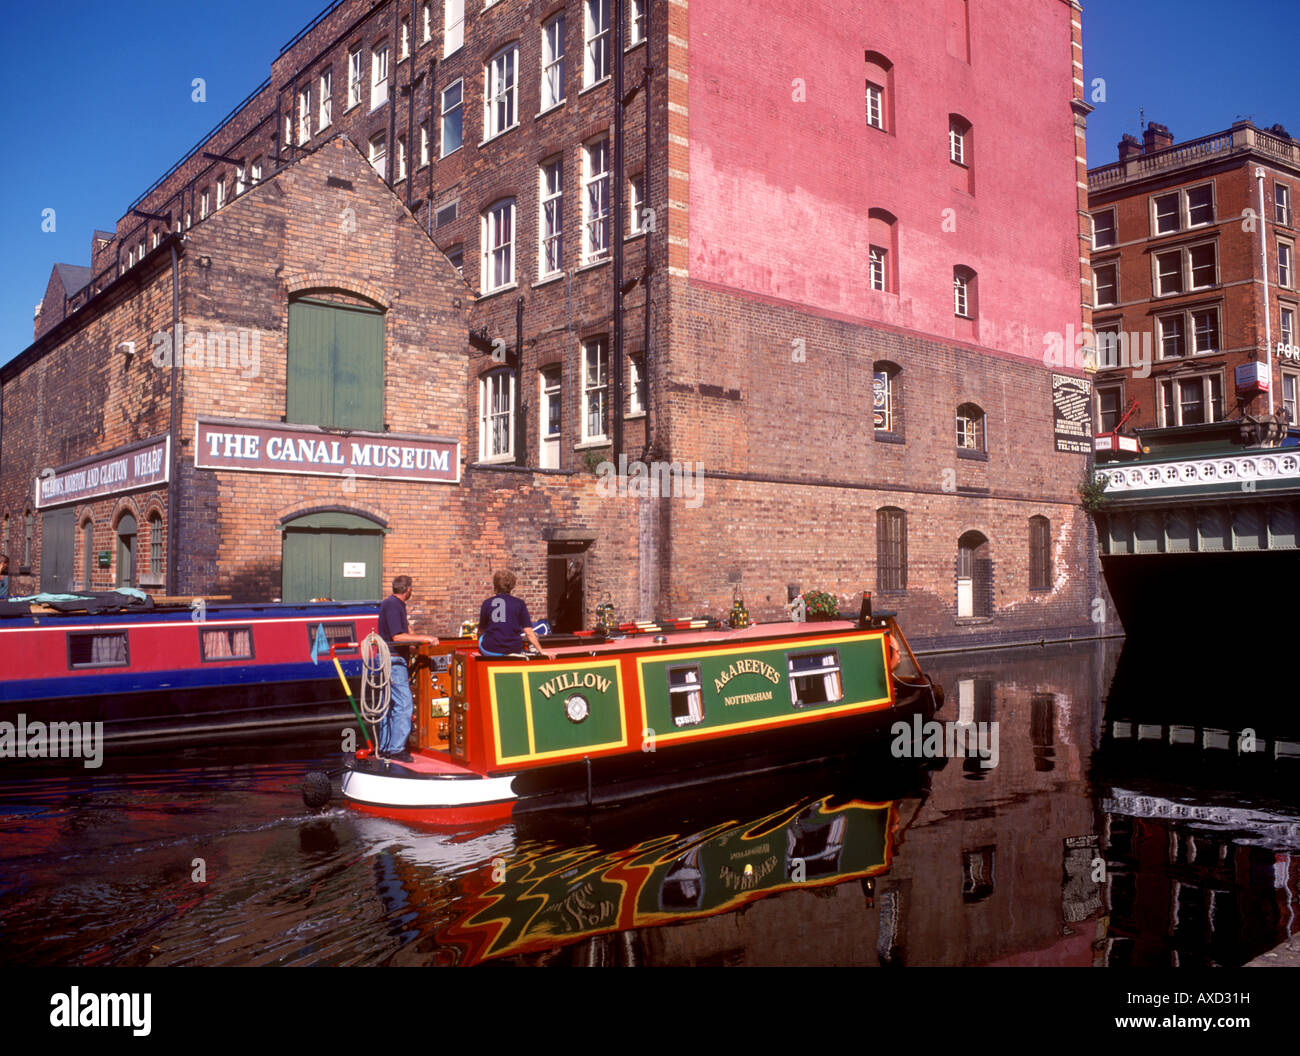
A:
(684, 698)
(227, 643)
(815, 678)
(335, 633)
(97, 649)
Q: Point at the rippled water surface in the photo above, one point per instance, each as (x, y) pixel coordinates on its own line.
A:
(1115, 829)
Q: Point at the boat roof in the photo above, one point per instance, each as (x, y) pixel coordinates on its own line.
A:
(674, 640)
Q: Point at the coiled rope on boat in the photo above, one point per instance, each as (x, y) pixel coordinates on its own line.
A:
(376, 680)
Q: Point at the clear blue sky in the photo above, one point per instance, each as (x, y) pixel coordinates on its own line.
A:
(97, 100)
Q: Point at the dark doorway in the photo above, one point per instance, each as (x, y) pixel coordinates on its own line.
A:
(565, 565)
(126, 551)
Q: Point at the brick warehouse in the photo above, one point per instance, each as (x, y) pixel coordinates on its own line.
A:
(1182, 232)
(406, 241)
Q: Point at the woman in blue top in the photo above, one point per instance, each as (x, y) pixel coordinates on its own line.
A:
(504, 622)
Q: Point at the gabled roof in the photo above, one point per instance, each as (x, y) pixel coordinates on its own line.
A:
(74, 276)
(104, 236)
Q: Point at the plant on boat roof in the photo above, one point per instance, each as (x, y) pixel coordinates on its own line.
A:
(819, 603)
(1092, 490)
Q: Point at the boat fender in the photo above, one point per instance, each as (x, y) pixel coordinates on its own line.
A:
(316, 790)
(895, 654)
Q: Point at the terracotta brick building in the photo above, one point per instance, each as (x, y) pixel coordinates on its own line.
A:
(407, 306)
(1196, 290)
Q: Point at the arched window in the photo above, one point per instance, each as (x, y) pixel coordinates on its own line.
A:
(891, 549)
(886, 399)
(880, 92)
(1040, 553)
(882, 265)
(963, 292)
(974, 576)
(155, 546)
(961, 152)
(335, 375)
(127, 574)
(87, 554)
(970, 429)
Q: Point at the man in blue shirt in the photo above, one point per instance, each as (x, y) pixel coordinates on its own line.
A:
(504, 622)
(393, 627)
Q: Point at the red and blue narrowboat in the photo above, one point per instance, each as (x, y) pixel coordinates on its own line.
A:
(178, 673)
(609, 719)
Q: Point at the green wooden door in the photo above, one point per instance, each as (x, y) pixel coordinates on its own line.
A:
(336, 366)
(57, 530)
(332, 555)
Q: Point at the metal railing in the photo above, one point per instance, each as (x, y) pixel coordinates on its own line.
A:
(1239, 139)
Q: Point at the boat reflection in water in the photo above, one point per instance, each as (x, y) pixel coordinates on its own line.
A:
(537, 902)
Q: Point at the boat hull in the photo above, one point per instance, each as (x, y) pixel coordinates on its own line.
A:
(395, 790)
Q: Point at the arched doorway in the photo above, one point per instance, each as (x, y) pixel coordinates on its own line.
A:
(974, 576)
(126, 551)
(332, 554)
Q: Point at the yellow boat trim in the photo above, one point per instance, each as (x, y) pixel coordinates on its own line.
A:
(794, 717)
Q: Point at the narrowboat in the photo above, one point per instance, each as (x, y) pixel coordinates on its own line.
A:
(174, 673)
(607, 719)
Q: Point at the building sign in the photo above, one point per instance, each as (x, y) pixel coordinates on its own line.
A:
(1072, 413)
(265, 447)
(354, 570)
(1291, 352)
(1251, 377)
(140, 465)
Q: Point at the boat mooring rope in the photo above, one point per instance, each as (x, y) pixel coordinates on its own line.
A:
(376, 681)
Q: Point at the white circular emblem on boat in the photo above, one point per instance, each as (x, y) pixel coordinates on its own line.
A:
(576, 707)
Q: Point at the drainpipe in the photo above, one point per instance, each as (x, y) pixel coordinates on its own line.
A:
(521, 433)
(173, 482)
(1263, 256)
(616, 233)
(645, 188)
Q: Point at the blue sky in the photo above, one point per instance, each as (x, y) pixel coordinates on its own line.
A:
(98, 100)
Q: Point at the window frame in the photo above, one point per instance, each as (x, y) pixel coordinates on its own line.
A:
(501, 92)
(453, 29)
(636, 387)
(596, 42)
(597, 221)
(380, 75)
(598, 388)
(446, 114)
(494, 385)
(355, 74)
(494, 247)
(325, 105)
(1286, 276)
(1173, 385)
(1111, 266)
(636, 205)
(553, 61)
(1040, 553)
(378, 158)
(971, 430)
(1182, 214)
(550, 210)
(1286, 334)
(878, 268)
(875, 93)
(1281, 204)
(964, 292)
(891, 559)
(1116, 387)
(304, 115)
(1114, 228)
(893, 401)
(1291, 406)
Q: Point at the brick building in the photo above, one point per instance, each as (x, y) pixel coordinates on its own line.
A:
(405, 246)
(1194, 256)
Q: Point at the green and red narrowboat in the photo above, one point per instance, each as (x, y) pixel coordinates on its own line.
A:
(609, 720)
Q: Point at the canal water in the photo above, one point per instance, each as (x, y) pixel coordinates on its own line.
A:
(1140, 812)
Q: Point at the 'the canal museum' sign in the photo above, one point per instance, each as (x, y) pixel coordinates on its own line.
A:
(142, 464)
(266, 447)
